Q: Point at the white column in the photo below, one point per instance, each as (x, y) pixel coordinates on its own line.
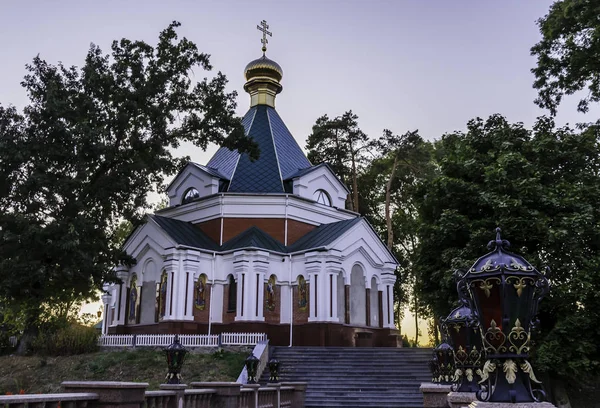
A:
(171, 268)
(242, 293)
(332, 314)
(388, 306)
(260, 299)
(105, 312)
(123, 274)
(286, 313)
(189, 270)
(216, 309)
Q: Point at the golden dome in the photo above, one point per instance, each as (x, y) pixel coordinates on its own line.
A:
(263, 67)
(263, 78)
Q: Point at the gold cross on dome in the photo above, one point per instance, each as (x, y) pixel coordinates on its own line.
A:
(264, 27)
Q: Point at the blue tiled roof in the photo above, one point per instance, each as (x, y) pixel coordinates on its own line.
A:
(290, 155)
(185, 233)
(280, 155)
(262, 175)
(253, 237)
(211, 171)
(323, 235)
(224, 159)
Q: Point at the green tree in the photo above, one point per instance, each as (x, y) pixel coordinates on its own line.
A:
(568, 54)
(340, 143)
(401, 164)
(542, 187)
(83, 154)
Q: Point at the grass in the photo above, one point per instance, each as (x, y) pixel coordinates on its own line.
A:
(35, 374)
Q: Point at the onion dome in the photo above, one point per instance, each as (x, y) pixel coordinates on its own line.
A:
(263, 75)
(262, 81)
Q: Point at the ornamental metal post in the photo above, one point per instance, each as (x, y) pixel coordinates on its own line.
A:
(442, 363)
(252, 368)
(273, 370)
(505, 291)
(175, 354)
(464, 336)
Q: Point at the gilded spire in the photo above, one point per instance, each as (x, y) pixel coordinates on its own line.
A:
(263, 75)
(264, 27)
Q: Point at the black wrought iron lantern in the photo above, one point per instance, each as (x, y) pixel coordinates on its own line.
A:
(505, 291)
(252, 368)
(442, 364)
(464, 336)
(175, 354)
(273, 370)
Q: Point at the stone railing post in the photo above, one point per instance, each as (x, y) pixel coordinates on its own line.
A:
(179, 394)
(111, 394)
(254, 388)
(299, 398)
(435, 395)
(226, 395)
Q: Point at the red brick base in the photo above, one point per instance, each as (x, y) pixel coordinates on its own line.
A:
(307, 334)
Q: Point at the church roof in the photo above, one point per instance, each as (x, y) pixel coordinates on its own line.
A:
(185, 233)
(280, 155)
(323, 235)
(253, 237)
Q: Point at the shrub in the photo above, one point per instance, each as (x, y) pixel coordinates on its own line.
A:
(68, 340)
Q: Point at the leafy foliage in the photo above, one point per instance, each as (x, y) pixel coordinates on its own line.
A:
(542, 187)
(67, 340)
(568, 54)
(340, 143)
(83, 154)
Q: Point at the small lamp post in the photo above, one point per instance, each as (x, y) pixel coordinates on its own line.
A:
(252, 368)
(442, 364)
(464, 336)
(505, 291)
(175, 354)
(273, 370)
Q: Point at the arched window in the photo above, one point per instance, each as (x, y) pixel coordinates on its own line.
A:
(322, 197)
(190, 195)
(232, 301)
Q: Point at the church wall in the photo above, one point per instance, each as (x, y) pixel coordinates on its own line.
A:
(212, 228)
(201, 315)
(275, 227)
(297, 229)
(148, 303)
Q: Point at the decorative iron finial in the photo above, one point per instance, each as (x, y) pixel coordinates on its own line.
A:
(498, 243)
(263, 27)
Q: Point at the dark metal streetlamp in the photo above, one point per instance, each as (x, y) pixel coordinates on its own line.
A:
(505, 291)
(442, 364)
(464, 336)
(175, 354)
(252, 368)
(273, 370)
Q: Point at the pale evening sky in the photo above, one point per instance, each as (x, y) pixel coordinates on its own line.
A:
(414, 64)
(400, 64)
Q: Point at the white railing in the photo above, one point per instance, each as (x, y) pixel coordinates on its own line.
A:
(116, 340)
(187, 340)
(242, 339)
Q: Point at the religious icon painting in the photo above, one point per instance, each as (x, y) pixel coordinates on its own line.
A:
(162, 296)
(200, 293)
(134, 302)
(270, 295)
(302, 293)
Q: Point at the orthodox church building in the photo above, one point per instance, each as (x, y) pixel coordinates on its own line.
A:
(257, 246)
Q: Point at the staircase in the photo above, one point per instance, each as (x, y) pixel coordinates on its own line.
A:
(356, 377)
